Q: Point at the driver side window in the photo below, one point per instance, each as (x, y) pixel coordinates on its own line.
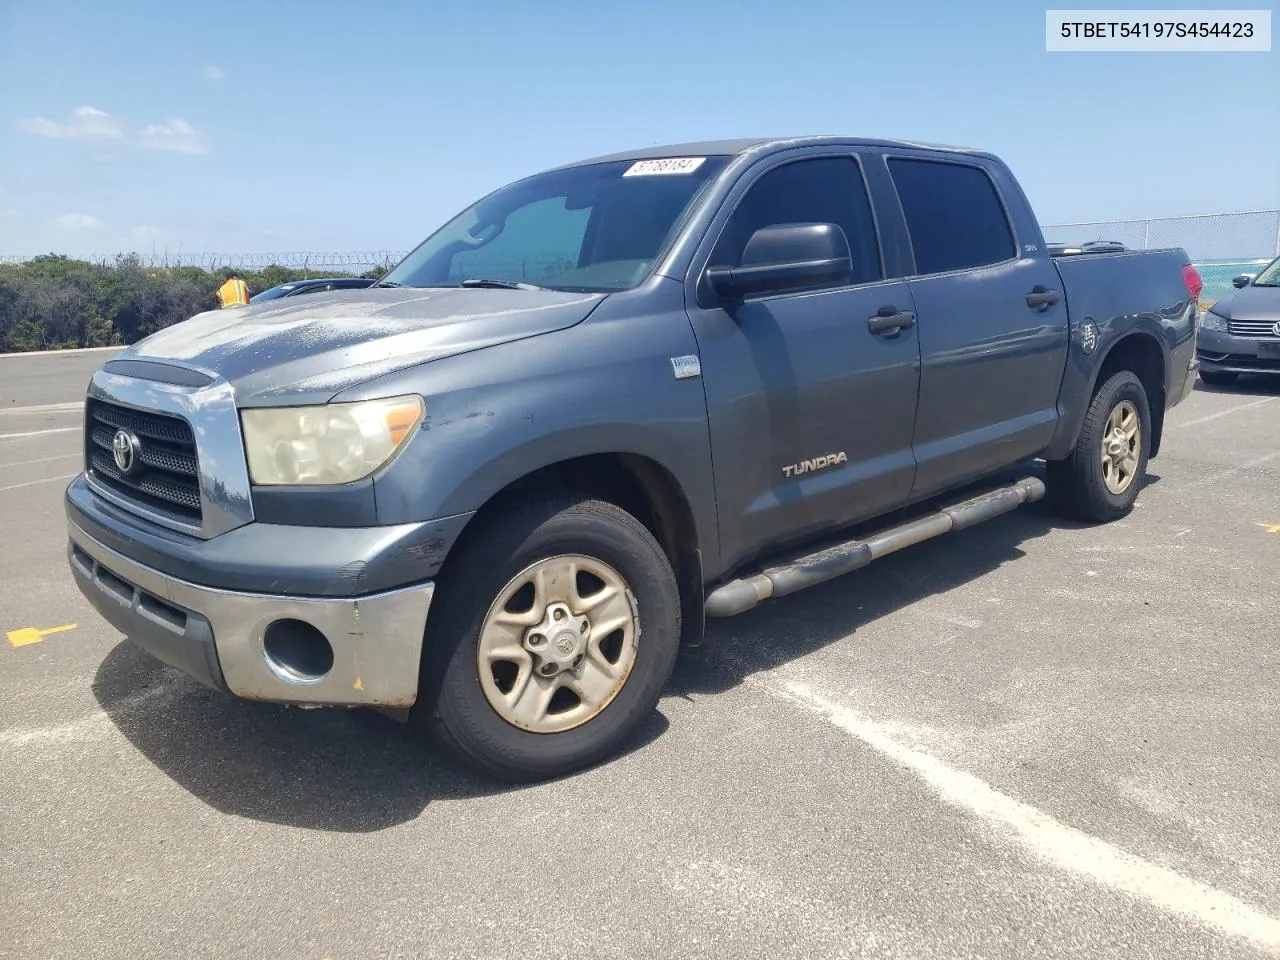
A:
(821, 190)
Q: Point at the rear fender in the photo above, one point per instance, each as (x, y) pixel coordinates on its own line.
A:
(1083, 372)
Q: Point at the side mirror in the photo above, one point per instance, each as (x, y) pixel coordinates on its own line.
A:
(1241, 281)
(786, 257)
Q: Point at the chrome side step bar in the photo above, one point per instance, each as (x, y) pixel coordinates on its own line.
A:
(738, 596)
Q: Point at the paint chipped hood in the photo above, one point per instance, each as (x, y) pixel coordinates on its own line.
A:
(309, 349)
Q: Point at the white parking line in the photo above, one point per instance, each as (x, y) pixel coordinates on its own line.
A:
(92, 726)
(36, 433)
(32, 483)
(25, 463)
(1228, 412)
(1046, 838)
(74, 351)
(1230, 471)
(44, 408)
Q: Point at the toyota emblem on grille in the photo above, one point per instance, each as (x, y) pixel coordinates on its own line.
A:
(126, 449)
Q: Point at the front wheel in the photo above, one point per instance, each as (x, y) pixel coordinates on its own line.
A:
(1099, 481)
(557, 629)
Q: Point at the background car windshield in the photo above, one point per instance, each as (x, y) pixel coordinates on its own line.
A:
(272, 294)
(1270, 276)
(584, 228)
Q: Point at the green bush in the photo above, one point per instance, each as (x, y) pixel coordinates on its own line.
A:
(53, 302)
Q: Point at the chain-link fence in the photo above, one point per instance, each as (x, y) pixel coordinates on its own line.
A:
(1253, 234)
(311, 262)
(1221, 245)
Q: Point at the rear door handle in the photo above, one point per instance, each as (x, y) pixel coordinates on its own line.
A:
(889, 320)
(1041, 298)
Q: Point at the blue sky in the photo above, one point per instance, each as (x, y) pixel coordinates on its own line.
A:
(239, 127)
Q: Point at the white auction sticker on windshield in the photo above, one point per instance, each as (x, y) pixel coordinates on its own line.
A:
(670, 165)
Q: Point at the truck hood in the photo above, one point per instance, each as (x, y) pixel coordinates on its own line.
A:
(308, 349)
(1250, 303)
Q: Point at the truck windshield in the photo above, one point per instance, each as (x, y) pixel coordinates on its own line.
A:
(1270, 276)
(598, 227)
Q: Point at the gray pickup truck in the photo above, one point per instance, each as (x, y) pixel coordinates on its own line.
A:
(495, 493)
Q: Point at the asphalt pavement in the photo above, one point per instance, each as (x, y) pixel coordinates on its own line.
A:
(1027, 739)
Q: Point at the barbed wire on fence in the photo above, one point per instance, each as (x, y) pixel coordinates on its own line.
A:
(1240, 237)
(347, 261)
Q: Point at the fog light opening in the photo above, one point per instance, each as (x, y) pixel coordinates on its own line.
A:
(297, 652)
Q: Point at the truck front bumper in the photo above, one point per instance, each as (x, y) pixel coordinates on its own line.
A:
(321, 650)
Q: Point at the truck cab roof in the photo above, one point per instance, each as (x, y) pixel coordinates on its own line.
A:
(762, 145)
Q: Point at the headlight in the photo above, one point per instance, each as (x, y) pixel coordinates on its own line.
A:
(1213, 321)
(336, 443)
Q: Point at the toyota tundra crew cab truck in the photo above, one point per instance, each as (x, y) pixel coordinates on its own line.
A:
(496, 492)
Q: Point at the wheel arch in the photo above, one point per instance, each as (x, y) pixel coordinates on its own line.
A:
(1138, 349)
(1141, 353)
(637, 483)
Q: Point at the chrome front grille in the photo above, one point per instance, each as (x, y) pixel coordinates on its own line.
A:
(165, 473)
(1258, 329)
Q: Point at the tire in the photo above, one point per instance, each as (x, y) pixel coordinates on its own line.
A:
(1218, 379)
(455, 699)
(1079, 485)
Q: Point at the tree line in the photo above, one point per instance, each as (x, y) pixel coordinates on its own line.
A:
(53, 302)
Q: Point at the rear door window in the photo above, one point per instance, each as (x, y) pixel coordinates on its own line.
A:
(954, 215)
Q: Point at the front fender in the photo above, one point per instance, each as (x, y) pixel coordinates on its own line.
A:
(502, 413)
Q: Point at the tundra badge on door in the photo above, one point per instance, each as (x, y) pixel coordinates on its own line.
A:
(818, 463)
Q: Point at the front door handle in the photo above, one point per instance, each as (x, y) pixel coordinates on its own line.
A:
(1040, 298)
(889, 320)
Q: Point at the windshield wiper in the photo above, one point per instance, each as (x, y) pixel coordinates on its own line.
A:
(388, 283)
(499, 284)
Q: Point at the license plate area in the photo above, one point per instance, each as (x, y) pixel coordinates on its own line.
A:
(1269, 350)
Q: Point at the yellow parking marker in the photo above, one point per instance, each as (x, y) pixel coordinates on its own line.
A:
(1270, 527)
(20, 638)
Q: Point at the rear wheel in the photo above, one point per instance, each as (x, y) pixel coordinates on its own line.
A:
(1219, 378)
(557, 629)
(1099, 481)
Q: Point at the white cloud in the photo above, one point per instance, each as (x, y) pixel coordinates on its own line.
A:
(214, 73)
(85, 123)
(173, 135)
(92, 124)
(79, 222)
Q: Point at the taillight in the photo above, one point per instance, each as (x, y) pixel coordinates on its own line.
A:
(1191, 277)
